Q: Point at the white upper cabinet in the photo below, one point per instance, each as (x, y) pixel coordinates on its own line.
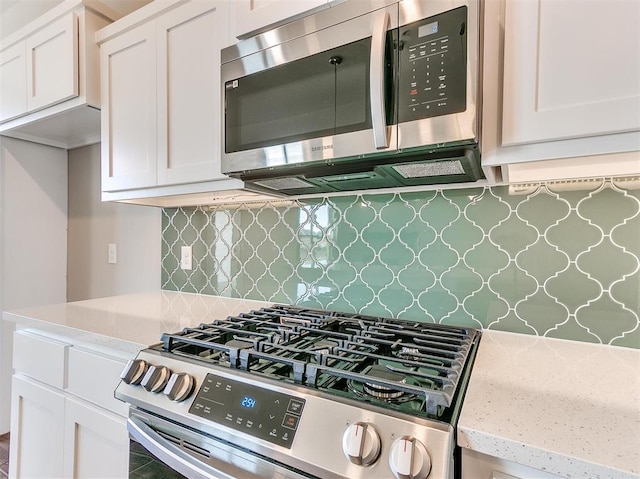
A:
(189, 99)
(49, 84)
(256, 15)
(52, 66)
(571, 70)
(13, 82)
(161, 102)
(128, 66)
(567, 88)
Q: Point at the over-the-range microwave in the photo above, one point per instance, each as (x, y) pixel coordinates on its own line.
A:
(366, 94)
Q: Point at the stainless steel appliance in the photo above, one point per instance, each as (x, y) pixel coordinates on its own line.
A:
(287, 392)
(367, 94)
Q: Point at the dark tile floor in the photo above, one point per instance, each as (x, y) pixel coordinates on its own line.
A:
(4, 455)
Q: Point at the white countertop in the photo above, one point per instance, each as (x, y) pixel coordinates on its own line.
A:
(566, 407)
(129, 322)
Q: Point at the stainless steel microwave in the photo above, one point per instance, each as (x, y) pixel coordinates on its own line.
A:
(366, 94)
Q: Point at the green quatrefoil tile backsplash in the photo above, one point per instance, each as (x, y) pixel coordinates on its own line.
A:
(555, 263)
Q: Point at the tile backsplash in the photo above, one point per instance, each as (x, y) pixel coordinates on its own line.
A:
(549, 261)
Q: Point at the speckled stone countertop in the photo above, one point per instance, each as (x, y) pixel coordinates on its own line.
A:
(565, 407)
(129, 322)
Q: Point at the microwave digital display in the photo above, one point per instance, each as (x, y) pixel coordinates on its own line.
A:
(428, 29)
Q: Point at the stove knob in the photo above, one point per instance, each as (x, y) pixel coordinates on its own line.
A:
(156, 378)
(134, 371)
(361, 444)
(409, 459)
(179, 387)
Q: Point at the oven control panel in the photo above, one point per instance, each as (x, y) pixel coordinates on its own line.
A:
(262, 413)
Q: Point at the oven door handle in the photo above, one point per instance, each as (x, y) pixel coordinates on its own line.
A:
(169, 454)
(376, 81)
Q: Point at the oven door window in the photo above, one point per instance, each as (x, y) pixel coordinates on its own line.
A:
(321, 95)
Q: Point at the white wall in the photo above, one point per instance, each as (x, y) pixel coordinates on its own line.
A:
(136, 230)
(33, 238)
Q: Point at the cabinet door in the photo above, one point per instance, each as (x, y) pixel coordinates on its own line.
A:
(476, 465)
(251, 15)
(96, 443)
(570, 69)
(37, 428)
(52, 63)
(189, 110)
(128, 73)
(13, 82)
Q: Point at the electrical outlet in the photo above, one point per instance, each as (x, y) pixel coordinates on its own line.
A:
(186, 260)
(112, 253)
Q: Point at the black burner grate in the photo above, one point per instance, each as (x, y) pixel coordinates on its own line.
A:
(391, 362)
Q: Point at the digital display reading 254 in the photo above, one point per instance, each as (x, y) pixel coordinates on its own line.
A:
(248, 402)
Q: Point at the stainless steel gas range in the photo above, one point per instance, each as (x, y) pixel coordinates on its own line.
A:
(287, 392)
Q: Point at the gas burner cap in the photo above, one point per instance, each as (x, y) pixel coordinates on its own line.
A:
(379, 391)
(384, 392)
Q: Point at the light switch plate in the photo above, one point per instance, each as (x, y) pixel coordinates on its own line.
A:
(112, 253)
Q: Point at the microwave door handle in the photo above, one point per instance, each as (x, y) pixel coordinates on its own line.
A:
(376, 81)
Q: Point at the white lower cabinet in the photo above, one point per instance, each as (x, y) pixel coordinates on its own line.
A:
(476, 465)
(37, 430)
(61, 425)
(96, 442)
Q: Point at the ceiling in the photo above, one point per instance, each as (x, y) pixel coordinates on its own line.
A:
(14, 14)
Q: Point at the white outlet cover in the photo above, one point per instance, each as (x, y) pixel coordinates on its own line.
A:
(186, 260)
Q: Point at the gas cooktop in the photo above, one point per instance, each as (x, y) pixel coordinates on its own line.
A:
(279, 379)
(410, 366)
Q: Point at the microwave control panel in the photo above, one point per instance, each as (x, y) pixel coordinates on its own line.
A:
(433, 66)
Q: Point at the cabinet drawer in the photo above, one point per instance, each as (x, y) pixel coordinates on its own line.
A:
(93, 376)
(41, 358)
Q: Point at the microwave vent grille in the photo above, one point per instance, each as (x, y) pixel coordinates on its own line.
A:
(283, 183)
(421, 170)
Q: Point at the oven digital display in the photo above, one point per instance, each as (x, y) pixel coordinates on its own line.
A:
(248, 402)
(260, 412)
